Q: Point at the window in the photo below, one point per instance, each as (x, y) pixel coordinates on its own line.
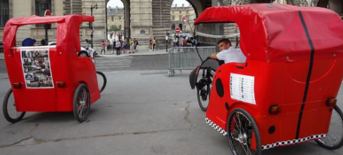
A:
(173, 26)
(142, 32)
(4, 12)
(72, 7)
(112, 18)
(41, 6)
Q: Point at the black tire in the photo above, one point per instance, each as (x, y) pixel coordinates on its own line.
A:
(203, 87)
(104, 79)
(325, 142)
(6, 105)
(241, 128)
(203, 97)
(83, 54)
(81, 103)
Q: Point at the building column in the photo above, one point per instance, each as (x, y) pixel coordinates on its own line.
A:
(141, 20)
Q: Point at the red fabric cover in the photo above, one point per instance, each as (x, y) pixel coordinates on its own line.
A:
(66, 25)
(269, 32)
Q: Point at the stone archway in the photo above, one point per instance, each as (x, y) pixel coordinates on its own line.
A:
(127, 16)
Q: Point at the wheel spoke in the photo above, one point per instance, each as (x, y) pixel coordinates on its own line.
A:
(240, 134)
(244, 148)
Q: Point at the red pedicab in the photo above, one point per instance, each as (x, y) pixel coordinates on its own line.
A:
(52, 78)
(286, 91)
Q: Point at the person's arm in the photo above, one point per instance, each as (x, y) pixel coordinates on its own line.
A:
(213, 56)
(218, 56)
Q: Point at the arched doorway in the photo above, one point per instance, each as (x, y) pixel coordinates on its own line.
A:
(182, 15)
(118, 17)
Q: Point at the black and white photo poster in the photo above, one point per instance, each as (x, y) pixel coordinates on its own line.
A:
(36, 68)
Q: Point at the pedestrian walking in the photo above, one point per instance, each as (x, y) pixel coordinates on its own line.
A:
(153, 43)
(135, 44)
(118, 47)
(131, 45)
(113, 46)
(103, 47)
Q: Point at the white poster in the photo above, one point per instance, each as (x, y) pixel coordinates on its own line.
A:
(242, 88)
(36, 68)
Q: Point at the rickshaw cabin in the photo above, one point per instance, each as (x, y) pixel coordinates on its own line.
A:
(67, 68)
(294, 61)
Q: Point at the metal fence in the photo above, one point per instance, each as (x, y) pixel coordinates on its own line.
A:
(186, 58)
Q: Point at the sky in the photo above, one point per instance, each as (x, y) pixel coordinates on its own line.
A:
(115, 3)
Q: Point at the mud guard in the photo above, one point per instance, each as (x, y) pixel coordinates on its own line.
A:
(193, 77)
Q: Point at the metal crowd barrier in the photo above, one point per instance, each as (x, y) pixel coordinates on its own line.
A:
(186, 58)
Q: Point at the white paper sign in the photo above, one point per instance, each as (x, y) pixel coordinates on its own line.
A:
(242, 88)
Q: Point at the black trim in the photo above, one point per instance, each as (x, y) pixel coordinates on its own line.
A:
(219, 87)
(309, 73)
(227, 106)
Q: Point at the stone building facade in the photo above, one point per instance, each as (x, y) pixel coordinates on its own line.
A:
(115, 20)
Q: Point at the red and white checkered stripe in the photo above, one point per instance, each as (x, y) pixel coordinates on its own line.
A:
(216, 127)
(268, 146)
(291, 142)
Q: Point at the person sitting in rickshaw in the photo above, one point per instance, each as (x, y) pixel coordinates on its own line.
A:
(227, 53)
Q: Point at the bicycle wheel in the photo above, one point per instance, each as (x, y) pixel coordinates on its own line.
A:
(243, 135)
(81, 103)
(203, 89)
(9, 108)
(102, 80)
(334, 138)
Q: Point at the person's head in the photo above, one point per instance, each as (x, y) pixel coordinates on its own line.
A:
(224, 44)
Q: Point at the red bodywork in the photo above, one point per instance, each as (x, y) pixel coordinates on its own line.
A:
(66, 66)
(295, 55)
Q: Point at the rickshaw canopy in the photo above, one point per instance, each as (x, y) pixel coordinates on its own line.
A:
(270, 32)
(67, 27)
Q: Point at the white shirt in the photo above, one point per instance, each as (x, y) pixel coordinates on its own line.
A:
(231, 55)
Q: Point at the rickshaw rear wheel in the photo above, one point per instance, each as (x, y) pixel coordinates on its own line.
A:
(325, 142)
(102, 88)
(243, 134)
(5, 106)
(81, 103)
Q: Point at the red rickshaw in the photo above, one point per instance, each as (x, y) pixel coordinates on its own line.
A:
(50, 78)
(286, 91)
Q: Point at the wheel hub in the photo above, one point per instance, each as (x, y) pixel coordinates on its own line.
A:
(203, 94)
(242, 138)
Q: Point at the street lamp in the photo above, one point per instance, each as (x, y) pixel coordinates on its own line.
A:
(93, 6)
(47, 12)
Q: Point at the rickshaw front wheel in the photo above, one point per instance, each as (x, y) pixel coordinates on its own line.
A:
(203, 88)
(334, 137)
(9, 108)
(243, 135)
(81, 103)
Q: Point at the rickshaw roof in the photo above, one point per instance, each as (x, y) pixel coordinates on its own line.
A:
(67, 28)
(48, 19)
(271, 31)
